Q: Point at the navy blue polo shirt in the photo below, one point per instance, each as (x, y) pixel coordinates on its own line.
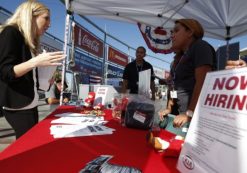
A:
(200, 53)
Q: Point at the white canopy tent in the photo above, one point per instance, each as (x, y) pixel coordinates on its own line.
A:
(221, 19)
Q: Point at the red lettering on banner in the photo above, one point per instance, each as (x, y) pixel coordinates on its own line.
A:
(226, 101)
(243, 84)
(92, 44)
(222, 101)
(231, 83)
(219, 83)
(88, 42)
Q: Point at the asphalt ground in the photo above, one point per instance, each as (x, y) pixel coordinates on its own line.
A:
(7, 134)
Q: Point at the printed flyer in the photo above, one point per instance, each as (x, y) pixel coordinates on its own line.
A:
(216, 141)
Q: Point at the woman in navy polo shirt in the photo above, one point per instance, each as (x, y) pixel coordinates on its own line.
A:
(189, 73)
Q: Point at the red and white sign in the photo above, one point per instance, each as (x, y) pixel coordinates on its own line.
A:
(216, 140)
(87, 41)
(117, 57)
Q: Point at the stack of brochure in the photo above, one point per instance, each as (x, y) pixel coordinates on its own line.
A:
(76, 124)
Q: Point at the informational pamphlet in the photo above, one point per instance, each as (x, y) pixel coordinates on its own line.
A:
(76, 125)
(101, 95)
(104, 95)
(101, 164)
(216, 141)
(144, 82)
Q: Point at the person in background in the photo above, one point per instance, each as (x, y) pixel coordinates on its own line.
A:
(131, 73)
(19, 59)
(53, 95)
(171, 106)
(189, 73)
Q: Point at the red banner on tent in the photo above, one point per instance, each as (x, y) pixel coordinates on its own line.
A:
(157, 39)
(87, 41)
(117, 57)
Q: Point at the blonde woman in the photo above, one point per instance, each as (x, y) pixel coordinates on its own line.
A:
(19, 59)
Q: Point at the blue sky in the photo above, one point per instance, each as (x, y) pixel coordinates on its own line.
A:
(127, 32)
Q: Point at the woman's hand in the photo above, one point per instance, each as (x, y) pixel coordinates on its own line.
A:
(180, 120)
(164, 112)
(235, 64)
(43, 59)
(48, 59)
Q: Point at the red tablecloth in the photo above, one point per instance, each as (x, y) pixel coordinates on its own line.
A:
(37, 150)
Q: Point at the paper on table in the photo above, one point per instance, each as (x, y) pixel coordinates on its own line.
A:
(59, 131)
(75, 124)
(87, 120)
(65, 128)
(45, 74)
(71, 114)
(144, 82)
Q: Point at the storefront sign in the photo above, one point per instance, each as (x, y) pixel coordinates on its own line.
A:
(114, 72)
(87, 64)
(117, 57)
(217, 137)
(88, 42)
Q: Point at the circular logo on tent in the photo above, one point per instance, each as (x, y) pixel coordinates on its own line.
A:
(188, 162)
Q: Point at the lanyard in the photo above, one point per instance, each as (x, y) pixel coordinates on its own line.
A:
(139, 67)
(175, 69)
(174, 72)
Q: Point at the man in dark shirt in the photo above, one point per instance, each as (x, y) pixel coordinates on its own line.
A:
(131, 73)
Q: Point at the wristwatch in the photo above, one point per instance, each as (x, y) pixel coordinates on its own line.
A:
(189, 113)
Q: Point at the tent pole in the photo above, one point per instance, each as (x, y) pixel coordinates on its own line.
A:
(228, 28)
(227, 50)
(104, 61)
(65, 46)
(71, 60)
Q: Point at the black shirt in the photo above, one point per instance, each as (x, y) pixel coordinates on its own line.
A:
(200, 53)
(131, 74)
(14, 92)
